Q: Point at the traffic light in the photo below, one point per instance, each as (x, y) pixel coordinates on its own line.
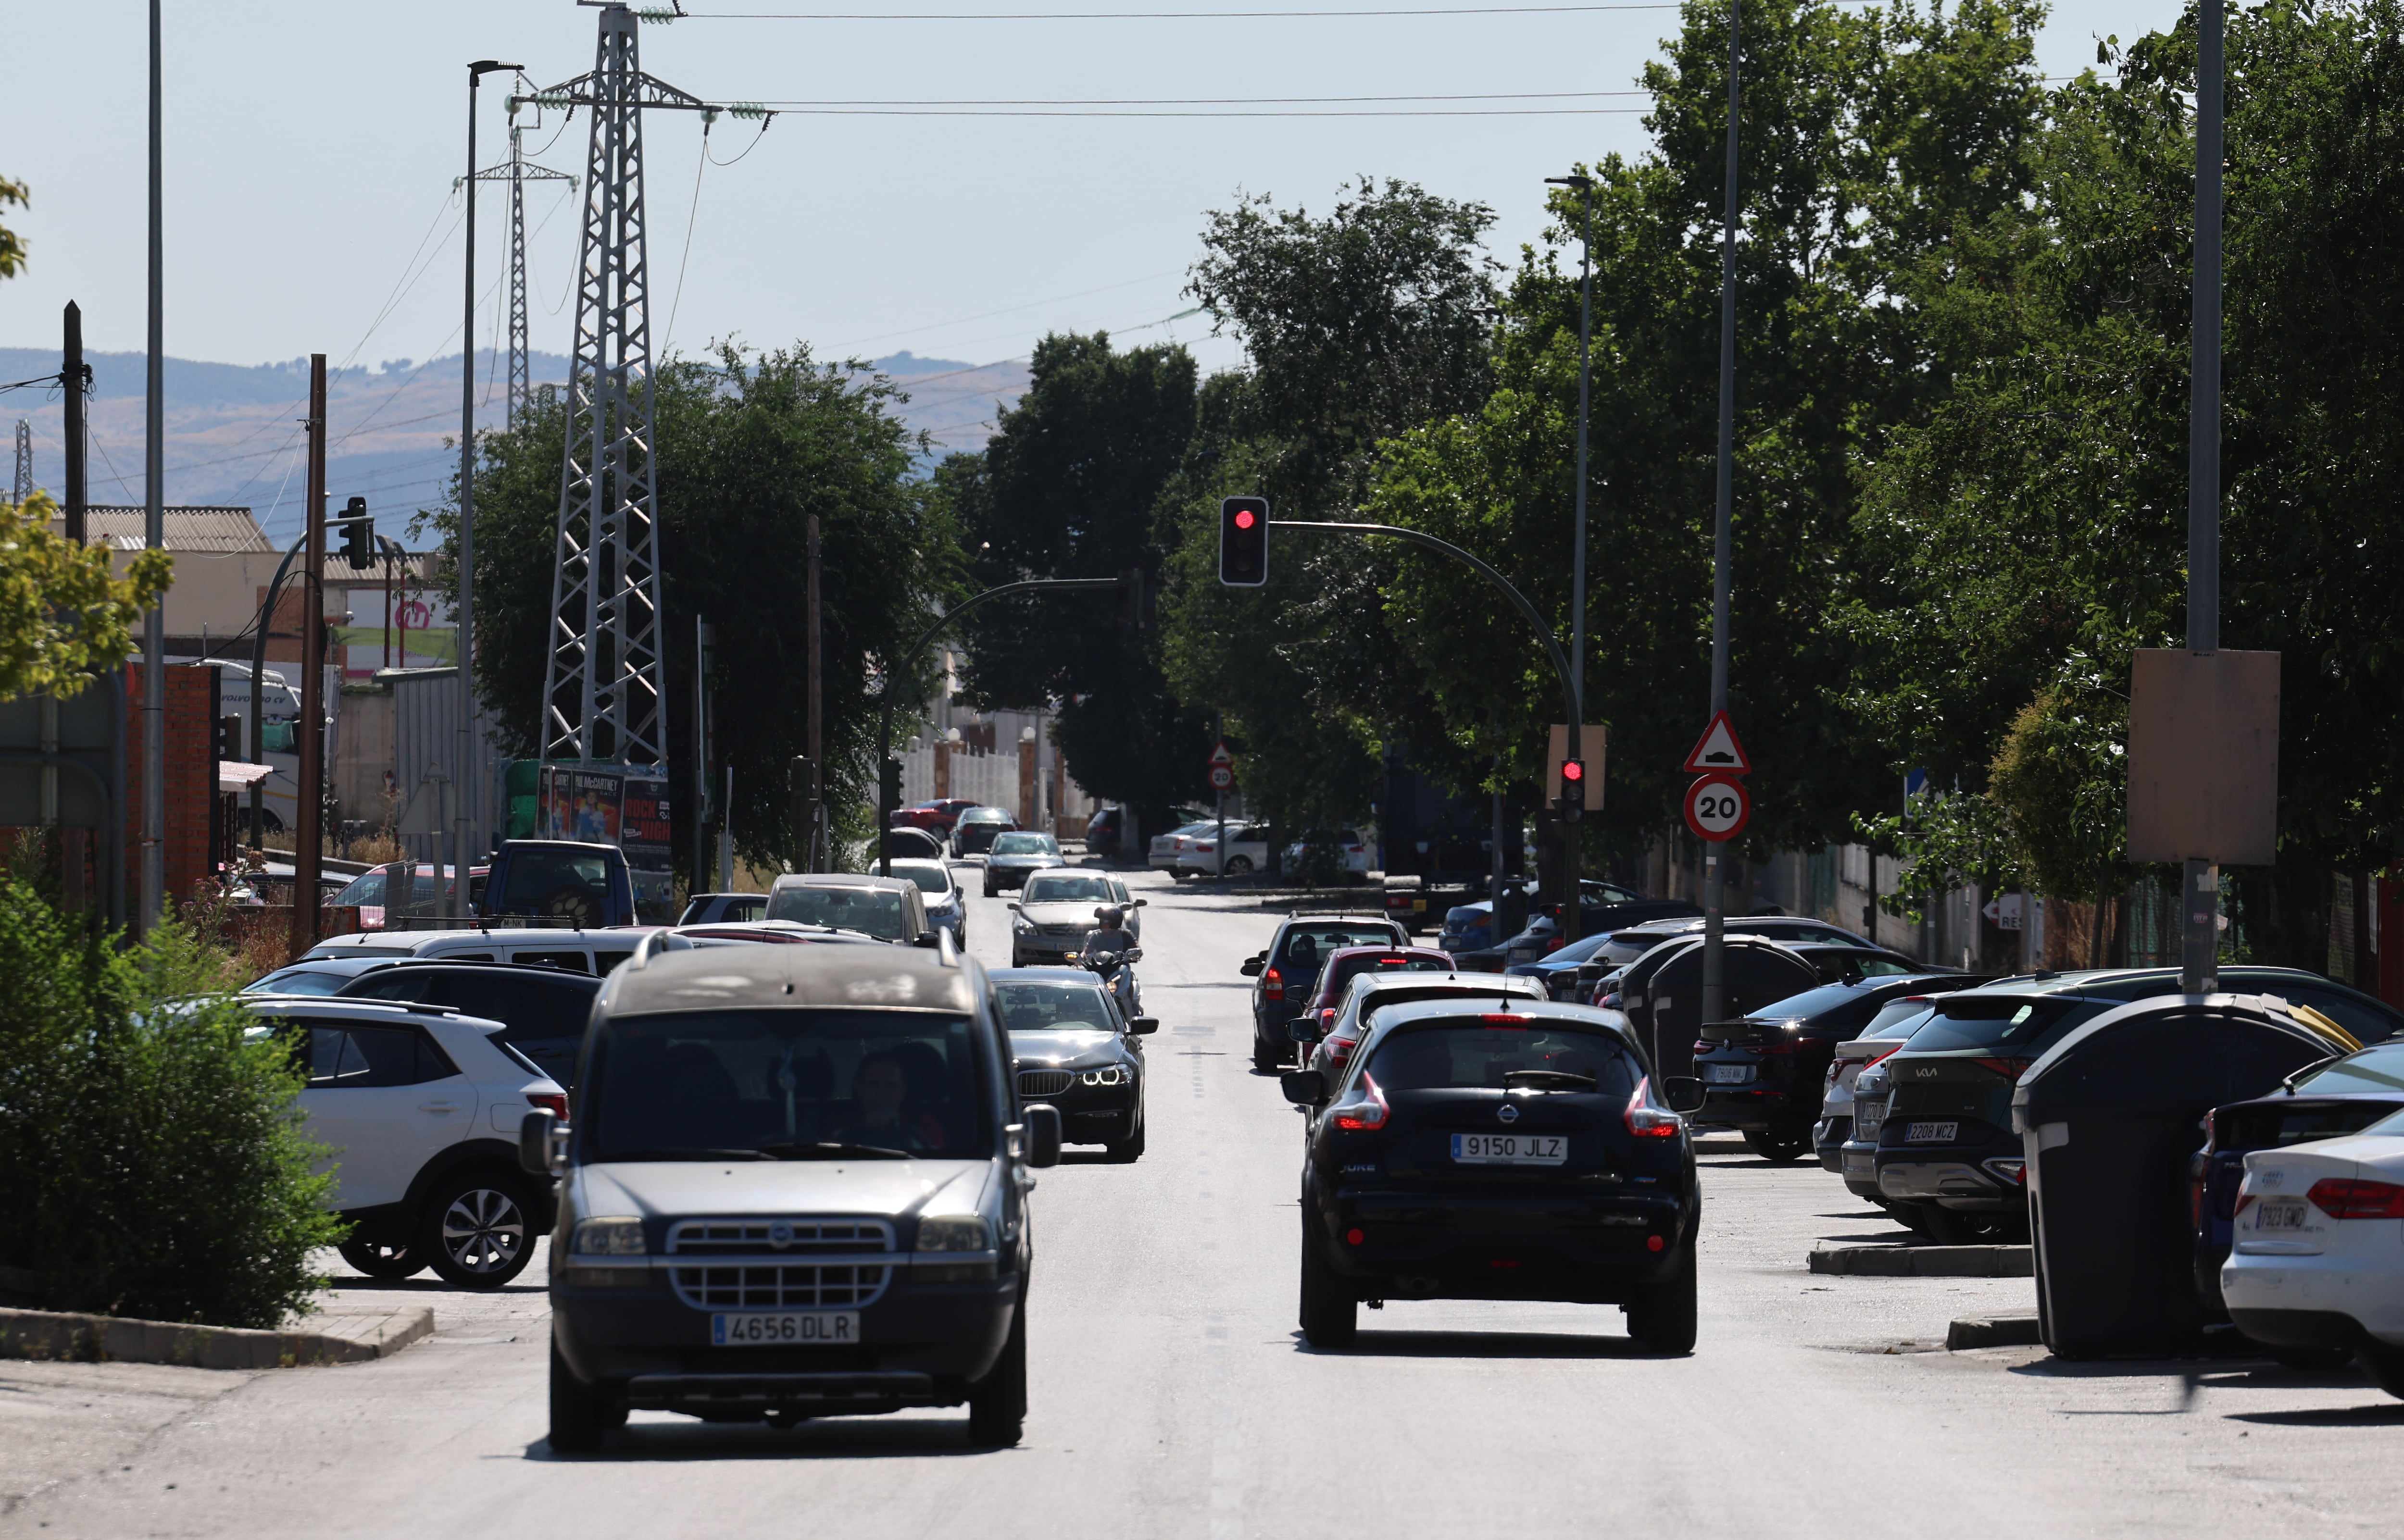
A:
(1572, 790)
(889, 789)
(1135, 603)
(1244, 542)
(359, 535)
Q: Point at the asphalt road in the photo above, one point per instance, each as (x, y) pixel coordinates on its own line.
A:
(1171, 1397)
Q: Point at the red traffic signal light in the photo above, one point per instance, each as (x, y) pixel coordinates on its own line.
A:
(1244, 542)
(1572, 772)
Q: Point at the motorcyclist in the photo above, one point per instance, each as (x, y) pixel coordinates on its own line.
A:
(1111, 938)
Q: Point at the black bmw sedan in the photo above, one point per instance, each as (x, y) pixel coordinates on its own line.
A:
(1075, 1052)
(1472, 1153)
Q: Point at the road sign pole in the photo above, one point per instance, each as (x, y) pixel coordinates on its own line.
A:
(1714, 873)
(2199, 882)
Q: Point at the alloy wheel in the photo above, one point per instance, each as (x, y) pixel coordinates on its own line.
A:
(483, 1230)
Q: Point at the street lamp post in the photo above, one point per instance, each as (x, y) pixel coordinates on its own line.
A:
(1572, 807)
(1714, 861)
(463, 776)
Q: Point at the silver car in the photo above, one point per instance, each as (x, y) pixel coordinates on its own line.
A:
(1056, 911)
(796, 1185)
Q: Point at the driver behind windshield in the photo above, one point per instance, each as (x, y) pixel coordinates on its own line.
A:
(879, 1087)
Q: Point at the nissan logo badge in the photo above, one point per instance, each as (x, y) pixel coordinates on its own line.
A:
(1507, 1112)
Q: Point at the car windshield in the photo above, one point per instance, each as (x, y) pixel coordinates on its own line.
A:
(1580, 950)
(1479, 1052)
(2379, 1069)
(297, 980)
(536, 876)
(875, 910)
(930, 875)
(1307, 946)
(799, 1083)
(1055, 1008)
(1066, 890)
(2010, 1021)
(1019, 843)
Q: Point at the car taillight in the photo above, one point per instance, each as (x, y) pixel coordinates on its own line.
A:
(1503, 1019)
(1555, 941)
(551, 1101)
(1272, 985)
(1647, 1121)
(2010, 1069)
(2346, 1198)
(1366, 1112)
(1326, 1014)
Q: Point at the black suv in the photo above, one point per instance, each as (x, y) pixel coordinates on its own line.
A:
(1287, 975)
(1475, 1153)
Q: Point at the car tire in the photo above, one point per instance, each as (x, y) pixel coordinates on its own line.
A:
(1267, 1058)
(2385, 1367)
(1130, 1149)
(1331, 1312)
(992, 892)
(582, 1416)
(1239, 865)
(382, 1261)
(476, 1229)
(2312, 1360)
(1662, 1319)
(1779, 1147)
(997, 1402)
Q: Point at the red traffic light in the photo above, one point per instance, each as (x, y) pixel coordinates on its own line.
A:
(1573, 773)
(1244, 518)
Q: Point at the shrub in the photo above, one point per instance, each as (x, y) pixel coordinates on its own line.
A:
(154, 1159)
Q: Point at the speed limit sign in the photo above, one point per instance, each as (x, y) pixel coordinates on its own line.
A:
(1718, 807)
(1222, 777)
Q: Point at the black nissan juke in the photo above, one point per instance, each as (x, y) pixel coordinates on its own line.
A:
(1474, 1153)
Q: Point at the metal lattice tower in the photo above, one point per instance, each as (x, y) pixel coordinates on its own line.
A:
(24, 461)
(517, 172)
(603, 690)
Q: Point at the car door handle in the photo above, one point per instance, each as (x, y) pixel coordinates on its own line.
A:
(437, 1106)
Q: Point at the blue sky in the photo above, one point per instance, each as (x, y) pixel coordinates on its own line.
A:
(311, 149)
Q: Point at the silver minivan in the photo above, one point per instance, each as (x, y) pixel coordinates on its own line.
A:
(795, 1186)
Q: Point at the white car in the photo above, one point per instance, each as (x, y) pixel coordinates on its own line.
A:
(577, 951)
(421, 1108)
(1248, 850)
(1351, 852)
(2317, 1255)
(1166, 848)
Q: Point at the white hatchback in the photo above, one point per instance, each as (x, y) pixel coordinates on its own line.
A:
(2317, 1259)
(421, 1107)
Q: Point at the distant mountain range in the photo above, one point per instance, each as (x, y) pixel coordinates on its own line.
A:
(233, 432)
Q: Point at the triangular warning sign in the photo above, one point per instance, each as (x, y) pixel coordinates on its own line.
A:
(1221, 756)
(1718, 750)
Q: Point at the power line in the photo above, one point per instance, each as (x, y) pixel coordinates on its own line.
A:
(1014, 112)
(1219, 100)
(1154, 15)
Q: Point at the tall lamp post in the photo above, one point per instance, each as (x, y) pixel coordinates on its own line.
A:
(1715, 866)
(465, 776)
(1572, 807)
(153, 888)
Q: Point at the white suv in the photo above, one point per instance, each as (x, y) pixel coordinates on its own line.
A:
(422, 1108)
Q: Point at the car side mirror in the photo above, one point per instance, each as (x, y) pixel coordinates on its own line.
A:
(1043, 1135)
(1302, 1029)
(1683, 1093)
(927, 939)
(1304, 1088)
(1252, 966)
(1013, 904)
(1144, 1026)
(1142, 902)
(535, 1139)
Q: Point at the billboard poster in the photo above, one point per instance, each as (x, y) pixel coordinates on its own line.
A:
(644, 835)
(581, 804)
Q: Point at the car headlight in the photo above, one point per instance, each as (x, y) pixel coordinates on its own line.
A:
(1020, 921)
(954, 1232)
(607, 1237)
(1109, 1075)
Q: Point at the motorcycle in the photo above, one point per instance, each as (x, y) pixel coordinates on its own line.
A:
(1117, 972)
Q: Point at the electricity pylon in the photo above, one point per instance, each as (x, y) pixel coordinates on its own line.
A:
(517, 172)
(24, 486)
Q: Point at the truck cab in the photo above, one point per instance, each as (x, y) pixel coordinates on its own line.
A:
(566, 881)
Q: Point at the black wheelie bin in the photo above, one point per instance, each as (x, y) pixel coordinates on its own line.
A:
(2108, 1118)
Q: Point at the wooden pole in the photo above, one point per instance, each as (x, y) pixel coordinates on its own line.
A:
(309, 734)
(810, 859)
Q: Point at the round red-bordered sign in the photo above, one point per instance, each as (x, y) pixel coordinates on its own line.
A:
(1718, 807)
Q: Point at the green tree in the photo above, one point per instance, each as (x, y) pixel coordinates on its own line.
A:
(1065, 488)
(12, 245)
(63, 613)
(749, 446)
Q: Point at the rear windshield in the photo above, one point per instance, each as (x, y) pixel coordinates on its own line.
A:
(2380, 1069)
(782, 1082)
(1388, 962)
(2013, 1021)
(1066, 890)
(297, 980)
(1899, 1018)
(1580, 950)
(1497, 1055)
(2275, 1128)
(875, 910)
(1017, 844)
(1307, 946)
(536, 876)
(1830, 1005)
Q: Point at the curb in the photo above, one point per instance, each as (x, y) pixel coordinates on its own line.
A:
(1926, 1261)
(94, 1339)
(2001, 1331)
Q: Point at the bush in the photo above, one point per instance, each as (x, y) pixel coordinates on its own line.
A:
(154, 1159)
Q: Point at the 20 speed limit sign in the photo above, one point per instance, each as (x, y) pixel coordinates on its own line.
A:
(1718, 807)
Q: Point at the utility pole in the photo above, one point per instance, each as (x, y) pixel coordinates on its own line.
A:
(517, 171)
(309, 734)
(812, 859)
(465, 774)
(2199, 882)
(154, 538)
(75, 379)
(1715, 871)
(702, 637)
(1572, 807)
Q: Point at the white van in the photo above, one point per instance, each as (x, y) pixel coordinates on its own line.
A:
(594, 952)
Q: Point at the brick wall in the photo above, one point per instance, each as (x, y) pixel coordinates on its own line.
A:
(191, 780)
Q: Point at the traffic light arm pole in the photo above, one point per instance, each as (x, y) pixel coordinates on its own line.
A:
(901, 664)
(1418, 537)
